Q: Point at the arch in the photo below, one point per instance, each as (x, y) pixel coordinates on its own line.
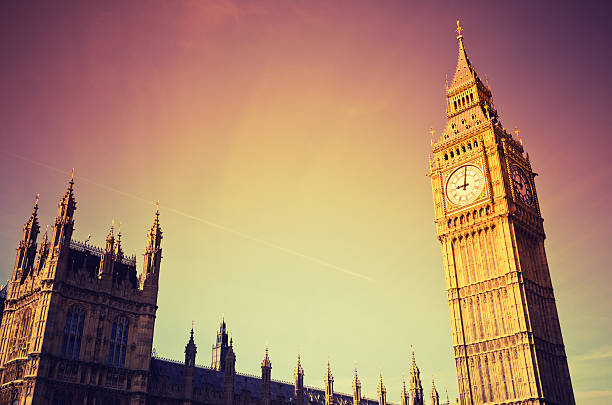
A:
(118, 342)
(73, 332)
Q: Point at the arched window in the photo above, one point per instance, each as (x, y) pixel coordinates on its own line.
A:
(73, 332)
(118, 342)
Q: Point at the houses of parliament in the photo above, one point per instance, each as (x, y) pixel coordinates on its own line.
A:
(78, 320)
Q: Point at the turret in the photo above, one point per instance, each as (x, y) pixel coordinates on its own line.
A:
(435, 398)
(190, 356)
(43, 252)
(382, 392)
(299, 383)
(229, 373)
(149, 278)
(405, 397)
(416, 388)
(64, 222)
(26, 250)
(329, 386)
(107, 259)
(356, 389)
(220, 348)
(266, 373)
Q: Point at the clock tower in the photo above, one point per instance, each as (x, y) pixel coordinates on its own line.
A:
(505, 329)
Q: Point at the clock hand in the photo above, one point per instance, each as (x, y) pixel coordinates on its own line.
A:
(463, 186)
(465, 177)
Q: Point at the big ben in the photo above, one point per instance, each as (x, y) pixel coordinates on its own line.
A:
(506, 335)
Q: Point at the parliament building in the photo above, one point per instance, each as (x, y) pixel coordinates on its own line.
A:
(77, 329)
(77, 321)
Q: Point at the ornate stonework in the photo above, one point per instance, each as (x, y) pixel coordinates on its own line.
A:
(505, 329)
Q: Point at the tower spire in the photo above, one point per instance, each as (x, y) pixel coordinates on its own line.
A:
(382, 392)
(299, 382)
(152, 256)
(356, 389)
(329, 386)
(26, 250)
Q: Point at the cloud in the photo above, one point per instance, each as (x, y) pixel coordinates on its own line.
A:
(601, 353)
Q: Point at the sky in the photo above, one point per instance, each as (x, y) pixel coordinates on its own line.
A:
(287, 143)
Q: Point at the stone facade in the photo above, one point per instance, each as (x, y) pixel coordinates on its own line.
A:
(505, 329)
(77, 329)
(77, 325)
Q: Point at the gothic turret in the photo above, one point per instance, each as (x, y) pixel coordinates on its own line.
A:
(405, 396)
(190, 356)
(64, 222)
(416, 388)
(329, 386)
(26, 250)
(299, 383)
(382, 392)
(43, 251)
(107, 259)
(356, 389)
(220, 348)
(266, 374)
(149, 278)
(229, 374)
(435, 398)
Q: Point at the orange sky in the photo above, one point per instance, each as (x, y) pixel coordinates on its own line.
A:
(287, 143)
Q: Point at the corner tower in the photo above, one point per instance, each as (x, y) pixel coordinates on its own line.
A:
(505, 329)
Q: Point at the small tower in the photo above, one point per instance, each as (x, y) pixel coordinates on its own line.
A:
(405, 399)
(435, 398)
(266, 373)
(356, 389)
(26, 250)
(416, 388)
(190, 356)
(220, 348)
(64, 222)
(149, 278)
(229, 374)
(299, 383)
(108, 257)
(382, 392)
(43, 252)
(329, 386)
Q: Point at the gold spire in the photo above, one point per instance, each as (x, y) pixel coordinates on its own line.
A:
(459, 30)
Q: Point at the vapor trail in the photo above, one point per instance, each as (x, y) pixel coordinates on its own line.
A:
(202, 220)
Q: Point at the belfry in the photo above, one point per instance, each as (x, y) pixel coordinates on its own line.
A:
(505, 329)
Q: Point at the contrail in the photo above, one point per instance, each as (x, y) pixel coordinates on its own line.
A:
(202, 220)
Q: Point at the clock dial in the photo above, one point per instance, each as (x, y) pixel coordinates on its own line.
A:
(522, 188)
(464, 185)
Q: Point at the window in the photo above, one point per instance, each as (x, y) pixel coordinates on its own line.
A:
(73, 331)
(118, 342)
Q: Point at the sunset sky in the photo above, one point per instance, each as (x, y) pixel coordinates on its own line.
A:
(287, 144)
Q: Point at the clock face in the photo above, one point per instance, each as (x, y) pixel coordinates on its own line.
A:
(522, 189)
(464, 185)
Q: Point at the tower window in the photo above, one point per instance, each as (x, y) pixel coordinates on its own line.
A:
(445, 156)
(118, 342)
(451, 154)
(455, 102)
(73, 331)
(463, 148)
(475, 144)
(470, 146)
(472, 97)
(457, 151)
